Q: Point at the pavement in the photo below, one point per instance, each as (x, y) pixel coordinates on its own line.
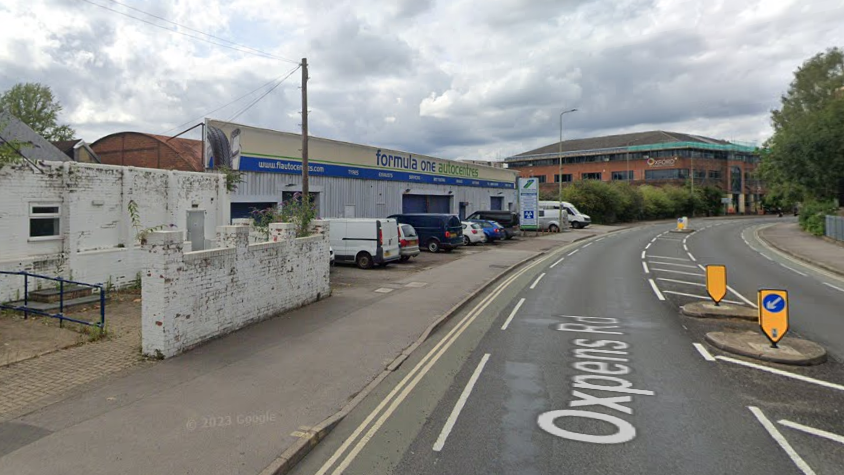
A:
(790, 239)
(235, 404)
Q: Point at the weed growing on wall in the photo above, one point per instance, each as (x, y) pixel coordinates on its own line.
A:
(141, 233)
(298, 210)
(233, 178)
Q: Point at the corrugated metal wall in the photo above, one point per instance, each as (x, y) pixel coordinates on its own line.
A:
(371, 198)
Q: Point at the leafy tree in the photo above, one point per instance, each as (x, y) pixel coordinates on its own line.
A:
(806, 153)
(34, 104)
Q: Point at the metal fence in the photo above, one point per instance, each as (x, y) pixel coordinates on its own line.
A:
(28, 307)
(835, 227)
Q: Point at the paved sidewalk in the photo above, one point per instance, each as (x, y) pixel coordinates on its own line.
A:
(790, 239)
(235, 404)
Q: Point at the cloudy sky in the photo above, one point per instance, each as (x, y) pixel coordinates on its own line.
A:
(481, 79)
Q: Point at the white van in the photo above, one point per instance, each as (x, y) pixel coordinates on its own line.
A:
(577, 219)
(365, 241)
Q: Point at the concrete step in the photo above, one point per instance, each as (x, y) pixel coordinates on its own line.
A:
(71, 291)
(50, 306)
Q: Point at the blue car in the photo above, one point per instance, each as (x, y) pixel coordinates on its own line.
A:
(492, 230)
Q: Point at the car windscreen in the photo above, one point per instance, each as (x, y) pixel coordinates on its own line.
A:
(408, 230)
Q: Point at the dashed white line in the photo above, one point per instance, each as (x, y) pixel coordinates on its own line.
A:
(648, 246)
(533, 286)
(671, 258)
(685, 248)
(691, 256)
(587, 245)
(793, 270)
(653, 240)
(780, 372)
(679, 272)
(813, 431)
(673, 264)
(645, 266)
(833, 286)
(656, 290)
(513, 314)
(554, 264)
(452, 419)
(777, 436)
(573, 252)
(600, 239)
(643, 254)
(703, 352)
(766, 257)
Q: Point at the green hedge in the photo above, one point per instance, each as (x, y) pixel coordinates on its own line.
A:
(813, 216)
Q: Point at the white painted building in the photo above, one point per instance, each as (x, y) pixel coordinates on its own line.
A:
(73, 220)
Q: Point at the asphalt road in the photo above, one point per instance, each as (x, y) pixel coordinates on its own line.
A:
(581, 363)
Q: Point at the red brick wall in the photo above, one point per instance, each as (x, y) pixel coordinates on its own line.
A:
(138, 150)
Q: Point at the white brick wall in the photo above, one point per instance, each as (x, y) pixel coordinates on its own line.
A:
(189, 298)
(97, 241)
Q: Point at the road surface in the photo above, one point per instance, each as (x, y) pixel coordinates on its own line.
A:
(580, 362)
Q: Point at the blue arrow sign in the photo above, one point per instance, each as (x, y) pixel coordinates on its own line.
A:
(773, 303)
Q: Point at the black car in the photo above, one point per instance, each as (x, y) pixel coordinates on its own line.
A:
(436, 231)
(509, 220)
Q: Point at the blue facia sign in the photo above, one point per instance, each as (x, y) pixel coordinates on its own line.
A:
(294, 167)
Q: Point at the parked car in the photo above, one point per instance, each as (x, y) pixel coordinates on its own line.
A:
(436, 231)
(408, 242)
(577, 219)
(473, 233)
(509, 220)
(365, 241)
(492, 230)
(330, 256)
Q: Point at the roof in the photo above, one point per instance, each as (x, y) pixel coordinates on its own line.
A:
(189, 150)
(637, 139)
(32, 145)
(66, 146)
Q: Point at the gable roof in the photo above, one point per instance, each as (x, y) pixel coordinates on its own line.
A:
(652, 137)
(66, 146)
(35, 147)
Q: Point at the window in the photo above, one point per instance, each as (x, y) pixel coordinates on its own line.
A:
(539, 178)
(735, 179)
(590, 176)
(625, 175)
(566, 178)
(44, 220)
(666, 174)
(714, 174)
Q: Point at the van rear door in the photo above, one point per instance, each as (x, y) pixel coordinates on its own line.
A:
(388, 240)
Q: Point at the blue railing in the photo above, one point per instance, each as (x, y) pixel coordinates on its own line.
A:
(26, 309)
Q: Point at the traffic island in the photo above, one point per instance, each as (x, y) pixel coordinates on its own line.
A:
(682, 231)
(707, 309)
(790, 351)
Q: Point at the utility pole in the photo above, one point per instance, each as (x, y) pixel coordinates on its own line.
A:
(305, 191)
(560, 190)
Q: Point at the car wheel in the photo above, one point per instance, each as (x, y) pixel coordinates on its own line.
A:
(364, 260)
(576, 224)
(554, 228)
(466, 241)
(433, 245)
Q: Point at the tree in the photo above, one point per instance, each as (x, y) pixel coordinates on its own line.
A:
(806, 153)
(34, 104)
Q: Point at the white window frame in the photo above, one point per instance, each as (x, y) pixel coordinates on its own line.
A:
(34, 215)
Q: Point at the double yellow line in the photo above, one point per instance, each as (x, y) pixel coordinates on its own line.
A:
(403, 389)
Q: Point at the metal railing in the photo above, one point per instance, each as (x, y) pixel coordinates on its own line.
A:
(27, 309)
(834, 227)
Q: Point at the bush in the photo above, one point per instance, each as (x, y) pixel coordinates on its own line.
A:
(813, 216)
(656, 204)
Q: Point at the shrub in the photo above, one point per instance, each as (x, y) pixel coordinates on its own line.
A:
(813, 216)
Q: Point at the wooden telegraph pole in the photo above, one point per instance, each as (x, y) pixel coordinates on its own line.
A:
(305, 192)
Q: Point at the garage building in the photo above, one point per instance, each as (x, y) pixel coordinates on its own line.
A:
(350, 180)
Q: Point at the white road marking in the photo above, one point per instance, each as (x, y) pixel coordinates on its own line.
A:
(681, 282)
(573, 252)
(684, 241)
(780, 372)
(645, 266)
(685, 248)
(793, 270)
(775, 434)
(670, 258)
(669, 239)
(703, 352)
(554, 264)
(673, 264)
(653, 240)
(643, 254)
(697, 296)
(452, 419)
(813, 431)
(533, 286)
(833, 286)
(648, 246)
(702, 268)
(587, 245)
(691, 256)
(766, 257)
(747, 301)
(600, 239)
(513, 314)
(656, 290)
(679, 272)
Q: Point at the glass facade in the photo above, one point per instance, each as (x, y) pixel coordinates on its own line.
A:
(625, 175)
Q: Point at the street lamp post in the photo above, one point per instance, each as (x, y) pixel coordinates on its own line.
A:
(560, 180)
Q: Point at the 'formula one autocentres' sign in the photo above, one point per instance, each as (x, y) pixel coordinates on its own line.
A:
(261, 150)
